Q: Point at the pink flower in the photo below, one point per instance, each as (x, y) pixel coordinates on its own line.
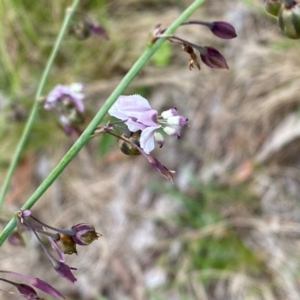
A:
(137, 114)
(69, 93)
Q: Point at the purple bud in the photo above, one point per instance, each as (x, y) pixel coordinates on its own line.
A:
(27, 291)
(169, 113)
(177, 120)
(223, 30)
(65, 271)
(214, 59)
(171, 131)
(38, 283)
(159, 167)
(84, 234)
(220, 29)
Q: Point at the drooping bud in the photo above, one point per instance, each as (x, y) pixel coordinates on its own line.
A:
(289, 19)
(126, 147)
(223, 30)
(66, 244)
(37, 283)
(25, 290)
(160, 168)
(84, 234)
(272, 7)
(213, 58)
(64, 271)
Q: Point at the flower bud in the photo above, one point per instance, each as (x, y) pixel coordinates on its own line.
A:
(213, 59)
(177, 120)
(126, 147)
(160, 168)
(171, 131)
(170, 113)
(272, 7)
(66, 244)
(289, 19)
(223, 30)
(84, 234)
(159, 139)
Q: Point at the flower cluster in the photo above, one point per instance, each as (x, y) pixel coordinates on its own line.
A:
(67, 102)
(63, 241)
(144, 128)
(208, 55)
(138, 115)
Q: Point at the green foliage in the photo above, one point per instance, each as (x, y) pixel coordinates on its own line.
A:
(163, 56)
(285, 44)
(209, 244)
(225, 250)
(106, 142)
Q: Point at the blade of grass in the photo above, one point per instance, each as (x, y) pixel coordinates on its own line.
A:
(85, 136)
(34, 108)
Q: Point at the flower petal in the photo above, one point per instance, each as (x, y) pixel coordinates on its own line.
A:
(148, 118)
(134, 126)
(129, 106)
(147, 139)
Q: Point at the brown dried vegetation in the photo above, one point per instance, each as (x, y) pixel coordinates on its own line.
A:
(237, 139)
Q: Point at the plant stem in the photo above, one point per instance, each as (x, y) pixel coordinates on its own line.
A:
(35, 105)
(85, 136)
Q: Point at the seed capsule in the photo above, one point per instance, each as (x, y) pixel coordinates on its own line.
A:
(272, 6)
(126, 147)
(289, 19)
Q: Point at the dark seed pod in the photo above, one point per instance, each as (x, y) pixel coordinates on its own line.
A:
(126, 147)
(272, 6)
(289, 19)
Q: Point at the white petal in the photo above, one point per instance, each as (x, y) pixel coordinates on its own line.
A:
(147, 139)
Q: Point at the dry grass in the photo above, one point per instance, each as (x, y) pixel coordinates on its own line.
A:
(232, 114)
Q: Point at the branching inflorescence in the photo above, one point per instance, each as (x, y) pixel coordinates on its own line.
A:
(138, 130)
(144, 127)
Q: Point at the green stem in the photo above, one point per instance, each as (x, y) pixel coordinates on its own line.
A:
(34, 108)
(85, 136)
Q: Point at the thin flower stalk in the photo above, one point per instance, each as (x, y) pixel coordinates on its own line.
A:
(34, 109)
(88, 132)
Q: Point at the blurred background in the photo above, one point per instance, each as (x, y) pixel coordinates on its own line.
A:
(229, 227)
